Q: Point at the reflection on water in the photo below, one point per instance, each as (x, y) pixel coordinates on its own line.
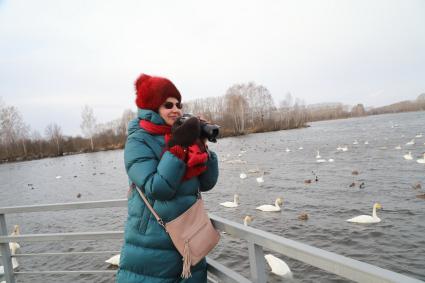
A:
(396, 243)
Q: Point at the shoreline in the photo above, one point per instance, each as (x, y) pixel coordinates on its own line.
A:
(227, 135)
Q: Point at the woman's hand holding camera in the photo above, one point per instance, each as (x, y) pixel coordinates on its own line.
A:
(185, 133)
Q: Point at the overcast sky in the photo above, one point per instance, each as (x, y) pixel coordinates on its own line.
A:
(56, 56)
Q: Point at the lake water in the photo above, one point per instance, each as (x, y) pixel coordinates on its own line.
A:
(396, 243)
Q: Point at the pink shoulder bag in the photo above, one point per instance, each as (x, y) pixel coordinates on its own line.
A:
(192, 233)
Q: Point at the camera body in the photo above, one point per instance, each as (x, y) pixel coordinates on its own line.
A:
(208, 131)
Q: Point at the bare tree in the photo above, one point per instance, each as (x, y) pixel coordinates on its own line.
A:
(13, 130)
(260, 102)
(54, 134)
(287, 102)
(250, 105)
(38, 140)
(211, 107)
(126, 117)
(2, 138)
(8, 118)
(358, 110)
(236, 107)
(22, 131)
(88, 125)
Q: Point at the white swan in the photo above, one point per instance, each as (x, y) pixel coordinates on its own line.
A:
(247, 220)
(318, 155)
(13, 248)
(260, 180)
(115, 260)
(320, 160)
(278, 266)
(242, 176)
(367, 218)
(419, 136)
(355, 142)
(366, 142)
(269, 207)
(300, 148)
(421, 160)
(331, 160)
(397, 147)
(234, 203)
(287, 150)
(16, 232)
(344, 148)
(412, 142)
(408, 156)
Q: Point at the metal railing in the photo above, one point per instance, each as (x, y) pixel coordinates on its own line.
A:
(257, 240)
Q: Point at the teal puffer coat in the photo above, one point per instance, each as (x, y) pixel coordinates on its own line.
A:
(148, 255)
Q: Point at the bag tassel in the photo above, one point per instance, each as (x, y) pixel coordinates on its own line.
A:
(186, 261)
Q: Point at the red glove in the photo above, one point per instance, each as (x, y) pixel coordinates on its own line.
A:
(196, 159)
(194, 171)
(196, 156)
(178, 151)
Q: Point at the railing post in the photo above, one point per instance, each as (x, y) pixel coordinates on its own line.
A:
(257, 263)
(5, 252)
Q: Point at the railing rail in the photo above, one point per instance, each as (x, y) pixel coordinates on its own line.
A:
(64, 206)
(257, 240)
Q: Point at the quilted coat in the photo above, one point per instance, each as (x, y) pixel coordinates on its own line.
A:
(148, 255)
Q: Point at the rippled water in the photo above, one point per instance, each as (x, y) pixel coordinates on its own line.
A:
(397, 243)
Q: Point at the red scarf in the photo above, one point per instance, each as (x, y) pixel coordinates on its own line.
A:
(195, 159)
(154, 128)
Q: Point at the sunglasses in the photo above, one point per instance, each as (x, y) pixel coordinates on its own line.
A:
(170, 105)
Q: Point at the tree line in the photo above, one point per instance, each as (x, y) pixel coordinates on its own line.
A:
(19, 142)
(244, 108)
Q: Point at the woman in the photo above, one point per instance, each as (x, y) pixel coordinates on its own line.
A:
(156, 161)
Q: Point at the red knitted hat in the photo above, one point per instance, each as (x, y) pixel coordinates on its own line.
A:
(151, 92)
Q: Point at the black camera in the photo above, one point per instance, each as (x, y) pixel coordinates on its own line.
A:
(208, 131)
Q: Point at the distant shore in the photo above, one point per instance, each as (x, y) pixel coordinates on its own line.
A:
(223, 134)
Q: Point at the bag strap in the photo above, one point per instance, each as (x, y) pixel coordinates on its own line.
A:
(159, 219)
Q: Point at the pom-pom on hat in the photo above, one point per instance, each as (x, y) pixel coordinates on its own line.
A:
(151, 92)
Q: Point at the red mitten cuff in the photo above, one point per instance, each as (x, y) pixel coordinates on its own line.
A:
(196, 156)
(197, 159)
(178, 151)
(194, 171)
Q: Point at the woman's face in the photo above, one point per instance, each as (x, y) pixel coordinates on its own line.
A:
(170, 115)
